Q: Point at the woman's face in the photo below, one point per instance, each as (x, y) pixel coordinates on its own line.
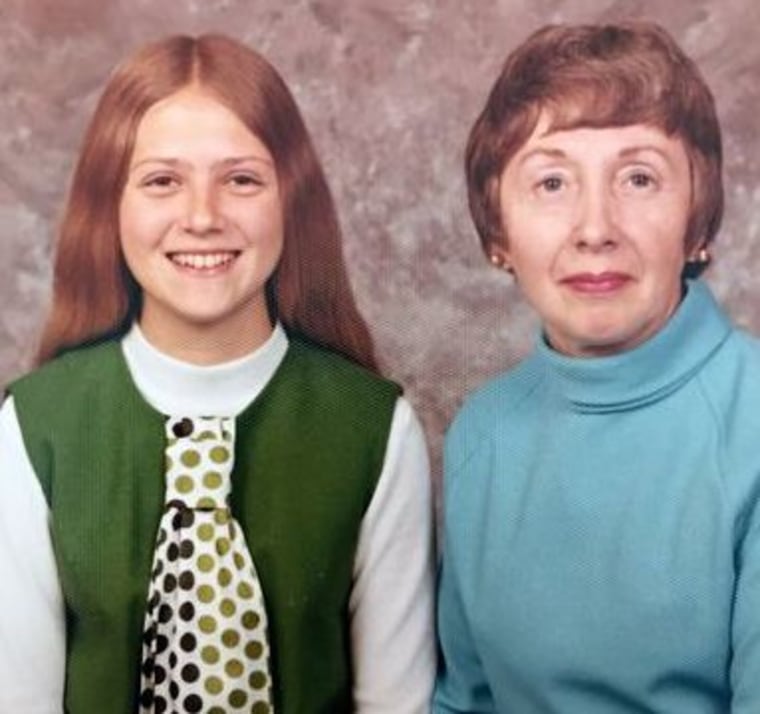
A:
(201, 223)
(595, 221)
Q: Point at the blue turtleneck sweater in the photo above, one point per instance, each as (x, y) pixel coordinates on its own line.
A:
(602, 530)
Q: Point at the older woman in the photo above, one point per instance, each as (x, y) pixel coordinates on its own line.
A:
(602, 527)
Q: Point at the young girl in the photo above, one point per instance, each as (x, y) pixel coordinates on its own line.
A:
(212, 502)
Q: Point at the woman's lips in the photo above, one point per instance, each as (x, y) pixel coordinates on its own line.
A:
(596, 283)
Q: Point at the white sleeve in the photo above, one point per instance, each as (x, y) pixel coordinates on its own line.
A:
(391, 605)
(32, 619)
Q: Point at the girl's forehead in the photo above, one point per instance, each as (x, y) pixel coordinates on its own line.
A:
(190, 124)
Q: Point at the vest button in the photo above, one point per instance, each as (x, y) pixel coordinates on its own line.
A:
(183, 428)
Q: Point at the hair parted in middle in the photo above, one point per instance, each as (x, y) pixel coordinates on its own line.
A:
(597, 76)
(94, 294)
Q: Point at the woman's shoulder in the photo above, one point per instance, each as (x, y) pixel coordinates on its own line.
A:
(735, 365)
(491, 411)
(500, 396)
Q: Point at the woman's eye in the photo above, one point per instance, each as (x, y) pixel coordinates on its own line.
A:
(551, 184)
(641, 179)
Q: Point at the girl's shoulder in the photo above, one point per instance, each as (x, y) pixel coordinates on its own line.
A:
(71, 369)
(325, 365)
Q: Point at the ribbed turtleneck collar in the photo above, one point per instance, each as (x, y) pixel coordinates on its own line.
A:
(175, 387)
(650, 371)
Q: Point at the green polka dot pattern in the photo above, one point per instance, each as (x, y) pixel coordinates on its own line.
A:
(205, 643)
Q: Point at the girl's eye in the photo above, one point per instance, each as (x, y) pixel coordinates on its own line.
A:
(244, 181)
(160, 182)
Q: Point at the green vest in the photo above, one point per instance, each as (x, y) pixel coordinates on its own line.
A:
(309, 451)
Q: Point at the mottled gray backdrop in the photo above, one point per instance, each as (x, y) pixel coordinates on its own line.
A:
(389, 89)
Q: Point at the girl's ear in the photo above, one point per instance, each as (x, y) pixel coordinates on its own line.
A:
(499, 257)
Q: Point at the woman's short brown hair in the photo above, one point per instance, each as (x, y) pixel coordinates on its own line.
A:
(597, 76)
(94, 295)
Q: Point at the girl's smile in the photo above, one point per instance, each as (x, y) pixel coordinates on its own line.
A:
(203, 264)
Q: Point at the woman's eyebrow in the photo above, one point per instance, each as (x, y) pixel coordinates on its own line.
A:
(644, 148)
(542, 151)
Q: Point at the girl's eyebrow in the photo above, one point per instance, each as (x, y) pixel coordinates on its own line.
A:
(234, 160)
(230, 161)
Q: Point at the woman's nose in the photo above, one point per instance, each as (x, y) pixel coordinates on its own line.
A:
(595, 228)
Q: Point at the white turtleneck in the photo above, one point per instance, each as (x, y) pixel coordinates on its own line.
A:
(391, 605)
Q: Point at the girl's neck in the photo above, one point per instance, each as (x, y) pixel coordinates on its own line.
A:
(203, 343)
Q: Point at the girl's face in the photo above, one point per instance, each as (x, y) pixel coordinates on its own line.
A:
(595, 221)
(201, 225)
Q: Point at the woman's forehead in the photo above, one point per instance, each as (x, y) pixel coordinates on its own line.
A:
(587, 141)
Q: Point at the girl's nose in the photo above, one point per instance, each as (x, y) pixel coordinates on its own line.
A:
(202, 213)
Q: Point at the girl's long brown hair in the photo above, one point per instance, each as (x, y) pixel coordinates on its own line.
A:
(94, 295)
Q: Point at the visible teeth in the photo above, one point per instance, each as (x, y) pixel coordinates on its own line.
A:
(203, 261)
